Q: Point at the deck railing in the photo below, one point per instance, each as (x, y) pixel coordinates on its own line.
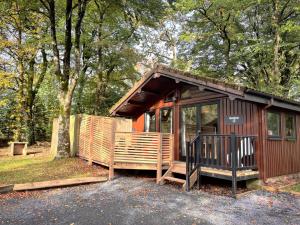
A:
(142, 147)
(218, 151)
(228, 152)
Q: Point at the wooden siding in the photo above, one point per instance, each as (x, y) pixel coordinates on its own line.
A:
(274, 157)
(248, 110)
(282, 156)
(251, 126)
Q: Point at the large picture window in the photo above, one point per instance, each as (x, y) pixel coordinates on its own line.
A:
(150, 121)
(273, 121)
(290, 126)
(166, 120)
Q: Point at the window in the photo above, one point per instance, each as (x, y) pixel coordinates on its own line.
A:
(209, 119)
(166, 122)
(188, 127)
(273, 120)
(150, 122)
(290, 126)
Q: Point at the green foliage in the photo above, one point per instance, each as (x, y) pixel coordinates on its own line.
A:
(251, 42)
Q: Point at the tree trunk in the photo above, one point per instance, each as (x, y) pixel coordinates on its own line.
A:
(30, 128)
(277, 39)
(63, 149)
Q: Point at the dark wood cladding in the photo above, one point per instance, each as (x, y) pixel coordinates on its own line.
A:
(248, 110)
(282, 156)
(251, 126)
(274, 157)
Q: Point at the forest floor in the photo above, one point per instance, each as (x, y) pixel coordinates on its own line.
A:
(40, 165)
(139, 200)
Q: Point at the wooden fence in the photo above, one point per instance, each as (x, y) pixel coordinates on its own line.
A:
(111, 142)
(142, 147)
(89, 134)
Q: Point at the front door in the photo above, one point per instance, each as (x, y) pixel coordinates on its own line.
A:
(202, 117)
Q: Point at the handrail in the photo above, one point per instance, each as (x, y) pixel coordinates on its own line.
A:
(221, 151)
(192, 160)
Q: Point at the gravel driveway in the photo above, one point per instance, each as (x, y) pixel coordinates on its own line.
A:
(129, 200)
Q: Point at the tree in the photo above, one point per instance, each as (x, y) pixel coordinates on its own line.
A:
(24, 57)
(67, 68)
(111, 34)
(250, 42)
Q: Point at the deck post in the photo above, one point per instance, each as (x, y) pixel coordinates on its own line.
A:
(112, 150)
(187, 159)
(233, 163)
(159, 159)
(198, 154)
(171, 149)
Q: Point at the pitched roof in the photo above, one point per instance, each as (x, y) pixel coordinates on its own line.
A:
(232, 90)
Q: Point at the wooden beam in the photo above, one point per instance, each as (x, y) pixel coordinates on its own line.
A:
(159, 160)
(156, 75)
(151, 93)
(112, 151)
(201, 88)
(136, 102)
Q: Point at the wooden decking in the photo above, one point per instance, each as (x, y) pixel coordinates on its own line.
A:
(227, 174)
(101, 142)
(179, 167)
(127, 150)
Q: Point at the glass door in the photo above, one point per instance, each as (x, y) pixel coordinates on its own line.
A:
(202, 117)
(188, 128)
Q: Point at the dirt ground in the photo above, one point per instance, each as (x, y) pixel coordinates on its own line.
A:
(131, 200)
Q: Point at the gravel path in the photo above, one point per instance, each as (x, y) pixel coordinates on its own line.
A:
(129, 200)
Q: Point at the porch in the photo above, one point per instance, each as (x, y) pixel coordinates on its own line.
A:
(229, 157)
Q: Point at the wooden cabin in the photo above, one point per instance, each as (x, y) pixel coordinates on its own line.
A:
(220, 130)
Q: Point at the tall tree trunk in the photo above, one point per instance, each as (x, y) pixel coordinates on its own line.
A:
(30, 127)
(67, 80)
(63, 149)
(277, 40)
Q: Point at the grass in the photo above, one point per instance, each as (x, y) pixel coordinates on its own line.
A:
(295, 188)
(24, 169)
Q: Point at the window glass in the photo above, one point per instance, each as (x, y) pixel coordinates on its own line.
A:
(209, 119)
(188, 127)
(273, 120)
(290, 128)
(166, 122)
(150, 122)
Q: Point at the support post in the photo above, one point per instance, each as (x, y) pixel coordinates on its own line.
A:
(198, 153)
(233, 163)
(187, 159)
(24, 152)
(159, 159)
(91, 140)
(171, 149)
(112, 150)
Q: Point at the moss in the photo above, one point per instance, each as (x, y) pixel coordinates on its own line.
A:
(295, 188)
(254, 184)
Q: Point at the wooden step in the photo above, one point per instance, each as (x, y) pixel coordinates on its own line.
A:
(177, 169)
(174, 179)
